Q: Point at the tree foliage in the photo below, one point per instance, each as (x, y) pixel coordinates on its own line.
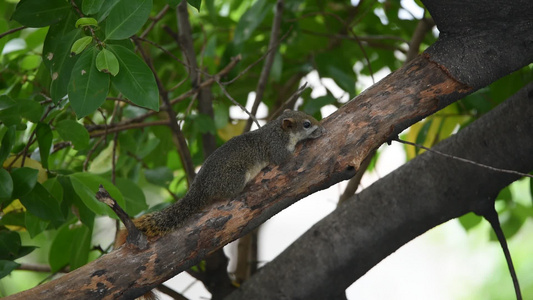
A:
(86, 88)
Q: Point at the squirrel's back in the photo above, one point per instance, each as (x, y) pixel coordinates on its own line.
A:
(226, 172)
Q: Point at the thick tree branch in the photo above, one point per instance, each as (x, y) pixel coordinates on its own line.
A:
(427, 191)
(402, 98)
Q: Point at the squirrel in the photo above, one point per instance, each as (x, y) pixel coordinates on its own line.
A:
(228, 169)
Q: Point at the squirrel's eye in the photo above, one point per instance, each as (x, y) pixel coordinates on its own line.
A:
(307, 124)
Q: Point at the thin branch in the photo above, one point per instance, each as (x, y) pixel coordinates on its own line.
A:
(10, 31)
(464, 159)
(259, 60)
(269, 61)
(177, 135)
(205, 97)
(138, 119)
(91, 151)
(237, 103)
(422, 28)
(291, 99)
(156, 19)
(123, 127)
(170, 292)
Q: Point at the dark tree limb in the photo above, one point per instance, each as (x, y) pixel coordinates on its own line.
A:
(404, 97)
(427, 191)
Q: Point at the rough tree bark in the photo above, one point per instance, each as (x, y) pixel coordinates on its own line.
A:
(427, 84)
(425, 192)
(411, 93)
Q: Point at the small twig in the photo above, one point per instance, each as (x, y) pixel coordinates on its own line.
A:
(156, 19)
(293, 97)
(91, 29)
(464, 160)
(269, 61)
(422, 28)
(91, 151)
(10, 31)
(237, 103)
(170, 292)
(135, 122)
(260, 59)
(177, 135)
(135, 237)
(123, 127)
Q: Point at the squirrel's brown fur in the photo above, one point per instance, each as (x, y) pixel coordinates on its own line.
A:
(225, 173)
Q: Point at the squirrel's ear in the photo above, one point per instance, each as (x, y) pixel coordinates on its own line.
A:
(286, 110)
(287, 123)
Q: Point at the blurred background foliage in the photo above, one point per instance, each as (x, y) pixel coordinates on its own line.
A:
(62, 135)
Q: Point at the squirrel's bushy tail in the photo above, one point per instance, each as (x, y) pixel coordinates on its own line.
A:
(163, 221)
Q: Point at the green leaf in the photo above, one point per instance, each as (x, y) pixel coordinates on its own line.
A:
(106, 8)
(161, 176)
(70, 247)
(6, 266)
(135, 80)
(6, 185)
(38, 13)
(470, 220)
(42, 204)
(56, 55)
(250, 20)
(173, 2)
(86, 22)
(88, 87)
(9, 244)
(3, 28)
(314, 105)
(195, 3)
(44, 139)
(102, 163)
(423, 133)
(82, 243)
(7, 144)
(70, 130)
(531, 188)
(30, 110)
(30, 62)
(505, 194)
(9, 111)
(133, 195)
(71, 198)
(80, 45)
(86, 185)
(126, 18)
(200, 123)
(89, 7)
(24, 180)
(34, 225)
(107, 62)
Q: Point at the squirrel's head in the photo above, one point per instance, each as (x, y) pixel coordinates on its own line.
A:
(300, 126)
